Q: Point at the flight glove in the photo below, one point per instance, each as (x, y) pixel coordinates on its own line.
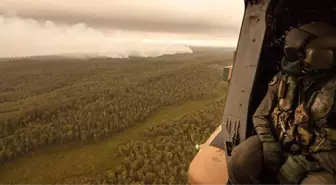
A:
(295, 169)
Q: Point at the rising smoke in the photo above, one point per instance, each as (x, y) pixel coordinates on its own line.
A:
(27, 37)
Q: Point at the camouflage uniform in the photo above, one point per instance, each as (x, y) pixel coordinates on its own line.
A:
(295, 125)
(243, 170)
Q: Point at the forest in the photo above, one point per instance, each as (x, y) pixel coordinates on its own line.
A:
(171, 102)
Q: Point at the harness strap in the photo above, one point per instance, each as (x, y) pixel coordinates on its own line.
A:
(317, 86)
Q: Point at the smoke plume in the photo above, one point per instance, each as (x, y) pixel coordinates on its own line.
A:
(28, 37)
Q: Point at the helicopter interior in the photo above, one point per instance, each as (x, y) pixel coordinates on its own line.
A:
(281, 16)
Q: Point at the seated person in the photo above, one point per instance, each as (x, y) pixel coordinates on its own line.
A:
(295, 122)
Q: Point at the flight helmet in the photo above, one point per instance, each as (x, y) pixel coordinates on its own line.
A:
(309, 48)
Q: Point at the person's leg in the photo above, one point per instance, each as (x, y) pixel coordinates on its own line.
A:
(322, 177)
(327, 160)
(245, 163)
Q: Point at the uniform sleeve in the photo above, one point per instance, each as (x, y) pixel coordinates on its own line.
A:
(262, 115)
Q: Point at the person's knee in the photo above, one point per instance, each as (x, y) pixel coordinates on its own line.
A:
(248, 147)
(246, 158)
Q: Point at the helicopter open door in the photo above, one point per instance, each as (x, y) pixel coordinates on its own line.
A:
(259, 51)
(209, 165)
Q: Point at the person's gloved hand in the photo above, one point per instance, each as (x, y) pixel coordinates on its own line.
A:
(295, 168)
(273, 156)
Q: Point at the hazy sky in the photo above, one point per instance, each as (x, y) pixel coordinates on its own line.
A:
(195, 22)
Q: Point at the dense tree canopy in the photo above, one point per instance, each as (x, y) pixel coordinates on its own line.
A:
(164, 157)
(53, 102)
